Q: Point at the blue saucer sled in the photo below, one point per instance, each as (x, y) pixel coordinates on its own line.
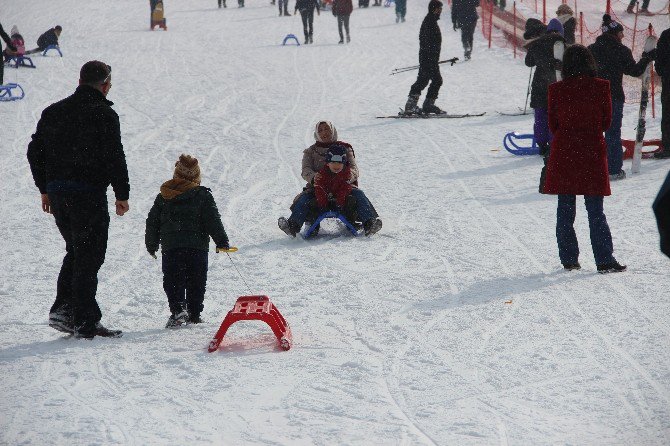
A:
(520, 144)
(330, 214)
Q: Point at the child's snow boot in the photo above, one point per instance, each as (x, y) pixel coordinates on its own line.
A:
(372, 226)
(177, 319)
(288, 226)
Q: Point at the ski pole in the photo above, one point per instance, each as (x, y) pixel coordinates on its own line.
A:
(228, 251)
(452, 61)
(525, 106)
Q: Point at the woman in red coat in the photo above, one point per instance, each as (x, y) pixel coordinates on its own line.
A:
(580, 110)
(342, 9)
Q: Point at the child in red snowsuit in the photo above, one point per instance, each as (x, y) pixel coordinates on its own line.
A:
(333, 184)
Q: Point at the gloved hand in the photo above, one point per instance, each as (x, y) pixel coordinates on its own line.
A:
(153, 254)
(457, 26)
(557, 65)
(650, 55)
(225, 246)
(12, 47)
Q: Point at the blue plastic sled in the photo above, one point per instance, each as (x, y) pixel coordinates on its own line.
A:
(52, 47)
(290, 37)
(20, 61)
(511, 145)
(330, 214)
(7, 92)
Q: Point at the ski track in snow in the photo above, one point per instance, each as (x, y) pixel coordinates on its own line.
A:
(403, 338)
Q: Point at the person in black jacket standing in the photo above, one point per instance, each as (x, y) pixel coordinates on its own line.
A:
(306, 8)
(541, 56)
(430, 45)
(464, 16)
(614, 59)
(74, 155)
(662, 66)
(8, 41)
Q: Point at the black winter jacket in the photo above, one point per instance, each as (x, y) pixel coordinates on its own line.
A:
(541, 55)
(306, 5)
(662, 64)
(430, 41)
(184, 218)
(464, 12)
(48, 38)
(615, 59)
(5, 37)
(77, 145)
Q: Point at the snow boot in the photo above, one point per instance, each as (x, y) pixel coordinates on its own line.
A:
(430, 107)
(621, 175)
(86, 332)
(286, 8)
(310, 39)
(348, 38)
(61, 321)
(372, 226)
(288, 226)
(194, 319)
(397, 17)
(572, 266)
(411, 107)
(177, 319)
(613, 267)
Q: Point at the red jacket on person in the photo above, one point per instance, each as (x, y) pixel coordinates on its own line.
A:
(327, 182)
(580, 110)
(342, 7)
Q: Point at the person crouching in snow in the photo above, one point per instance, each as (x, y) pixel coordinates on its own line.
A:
(182, 219)
(332, 184)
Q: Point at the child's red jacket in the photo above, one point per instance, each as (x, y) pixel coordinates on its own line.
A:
(326, 182)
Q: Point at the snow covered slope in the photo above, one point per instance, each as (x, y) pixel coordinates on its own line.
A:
(455, 325)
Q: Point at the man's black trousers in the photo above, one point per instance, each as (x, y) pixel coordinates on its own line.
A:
(83, 221)
(428, 74)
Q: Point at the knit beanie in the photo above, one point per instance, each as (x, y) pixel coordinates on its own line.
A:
(433, 5)
(610, 26)
(187, 168)
(556, 26)
(564, 10)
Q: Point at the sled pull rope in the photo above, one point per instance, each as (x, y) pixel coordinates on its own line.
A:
(228, 251)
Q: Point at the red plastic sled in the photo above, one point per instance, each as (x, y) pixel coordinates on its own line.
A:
(255, 308)
(629, 145)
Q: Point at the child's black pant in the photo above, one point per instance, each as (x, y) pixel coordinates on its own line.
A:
(185, 279)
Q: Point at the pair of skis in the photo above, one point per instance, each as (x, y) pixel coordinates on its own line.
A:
(403, 115)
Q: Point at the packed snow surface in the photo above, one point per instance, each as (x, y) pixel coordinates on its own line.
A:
(454, 325)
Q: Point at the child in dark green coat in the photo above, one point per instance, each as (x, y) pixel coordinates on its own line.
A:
(182, 219)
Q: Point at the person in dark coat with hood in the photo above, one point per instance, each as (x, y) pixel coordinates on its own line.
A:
(614, 59)
(8, 41)
(430, 45)
(541, 56)
(464, 17)
(662, 66)
(579, 113)
(74, 155)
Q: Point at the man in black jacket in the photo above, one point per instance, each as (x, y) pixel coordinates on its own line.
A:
(8, 41)
(430, 44)
(662, 66)
(614, 59)
(464, 16)
(74, 155)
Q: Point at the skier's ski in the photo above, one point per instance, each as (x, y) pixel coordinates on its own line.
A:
(649, 45)
(432, 116)
(520, 112)
(559, 49)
